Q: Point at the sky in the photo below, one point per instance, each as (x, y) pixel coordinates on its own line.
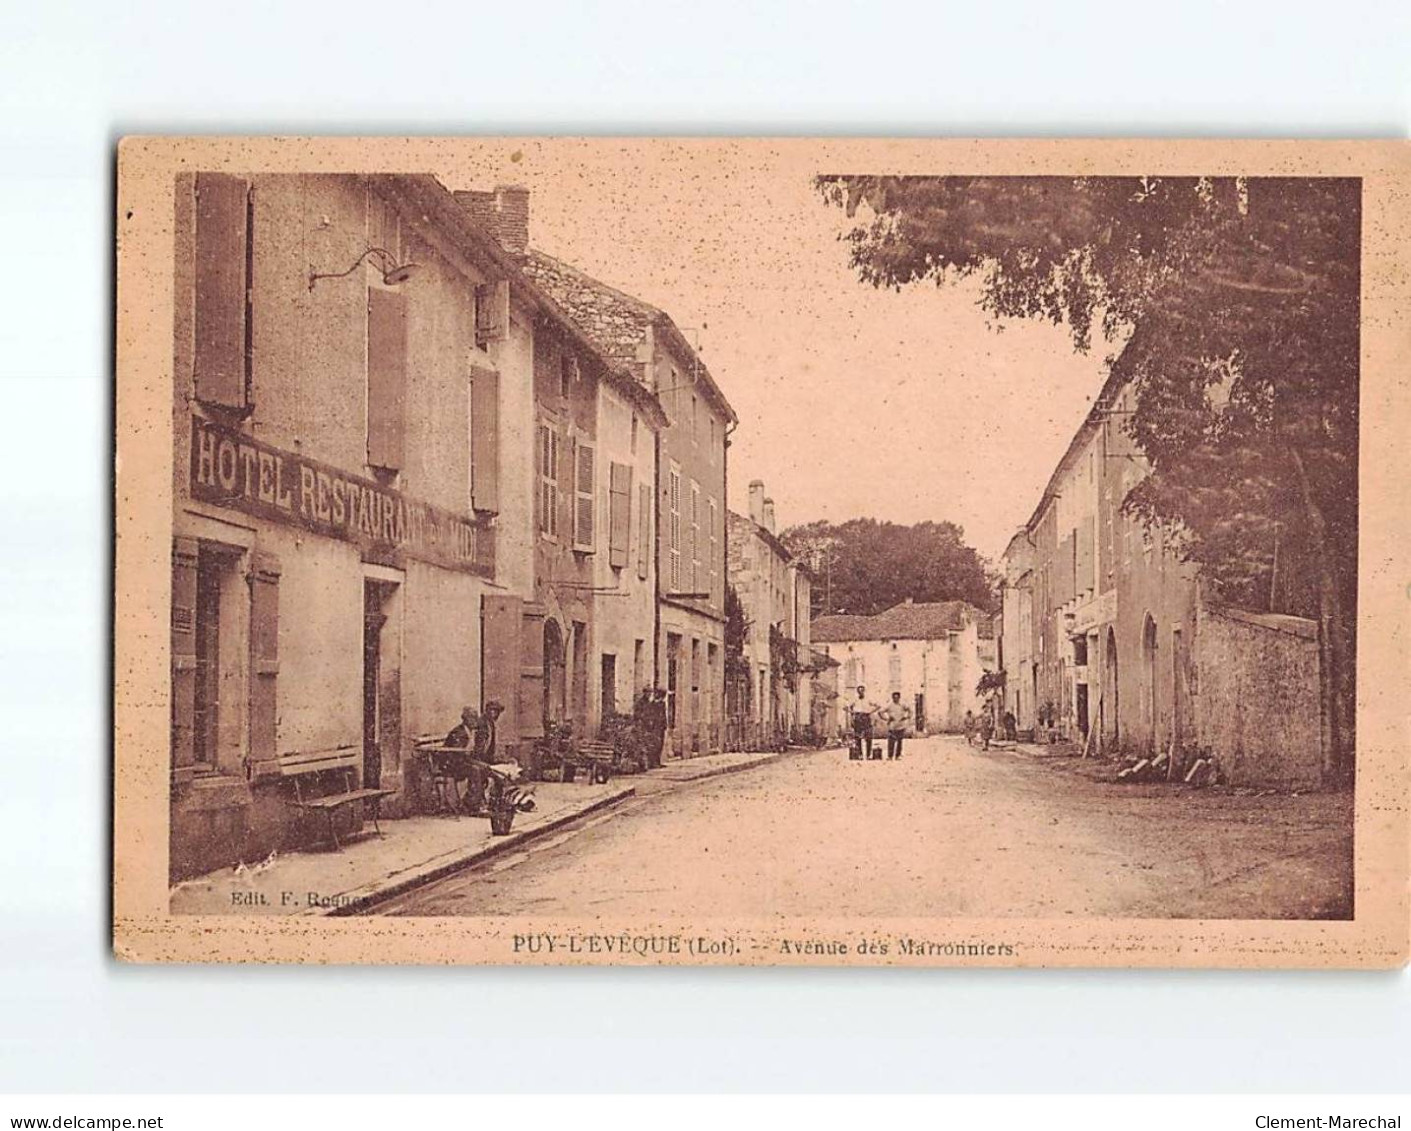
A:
(902, 406)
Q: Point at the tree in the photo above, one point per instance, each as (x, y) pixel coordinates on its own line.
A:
(870, 566)
(1239, 304)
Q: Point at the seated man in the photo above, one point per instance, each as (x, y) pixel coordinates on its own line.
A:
(476, 734)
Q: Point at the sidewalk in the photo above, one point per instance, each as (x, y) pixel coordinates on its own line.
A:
(417, 850)
(411, 851)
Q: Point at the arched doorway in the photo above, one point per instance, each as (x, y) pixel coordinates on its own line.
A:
(1149, 684)
(555, 672)
(1111, 717)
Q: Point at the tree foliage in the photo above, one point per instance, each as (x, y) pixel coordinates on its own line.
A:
(1236, 305)
(863, 566)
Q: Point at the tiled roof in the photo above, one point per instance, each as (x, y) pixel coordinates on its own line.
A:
(926, 620)
(616, 322)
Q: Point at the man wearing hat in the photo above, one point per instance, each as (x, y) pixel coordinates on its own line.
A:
(477, 734)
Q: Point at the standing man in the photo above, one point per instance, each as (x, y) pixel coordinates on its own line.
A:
(655, 714)
(862, 709)
(896, 715)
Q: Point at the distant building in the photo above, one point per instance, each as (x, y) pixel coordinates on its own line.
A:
(1109, 635)
(773, 693)
(934, 653)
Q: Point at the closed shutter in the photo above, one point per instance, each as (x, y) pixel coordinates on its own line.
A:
(485, 440)
(531, 673)
(712, 568)
(584, 499)
(644, 530)
(386, 378)
(620, 514)
(492, 312)
(675, 530)
(264, 657)
(222, 203)
(695, 537)
(501, 618)
(183, 653)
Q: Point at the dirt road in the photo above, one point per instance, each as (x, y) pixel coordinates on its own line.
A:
(945, 831)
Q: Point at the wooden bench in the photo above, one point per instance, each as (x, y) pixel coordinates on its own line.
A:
(299, 767)
(599, 759)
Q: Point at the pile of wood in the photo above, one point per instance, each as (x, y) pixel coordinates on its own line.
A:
(1204, 772)
(1146, 769)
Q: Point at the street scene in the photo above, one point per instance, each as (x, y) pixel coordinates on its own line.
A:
(950, 546)
(947, 828)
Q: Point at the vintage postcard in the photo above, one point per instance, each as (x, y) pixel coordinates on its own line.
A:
(806, 551)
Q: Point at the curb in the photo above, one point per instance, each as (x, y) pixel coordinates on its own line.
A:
(721, 771)
(360, 899)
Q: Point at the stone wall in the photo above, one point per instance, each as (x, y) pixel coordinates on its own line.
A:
(1257, 687)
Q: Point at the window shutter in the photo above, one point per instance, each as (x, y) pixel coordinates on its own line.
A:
(555, 495)
(712, 569)
(221, 213)
(541, 458)
(644, 529)
(492, 312)
(584, 498)
(183, 653)
(531, 673)
(264, 657)
(620, 514)
(500, 619)
(386, 378)
(695, 537)
(675, 530)
(485, 439)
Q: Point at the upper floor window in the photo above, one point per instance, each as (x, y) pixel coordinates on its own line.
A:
(222, 314)
(547, 458)
(568, 364)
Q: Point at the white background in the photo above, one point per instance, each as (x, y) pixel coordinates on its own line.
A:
(74, 77)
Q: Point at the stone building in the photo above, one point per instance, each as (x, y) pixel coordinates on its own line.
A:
(1110, 636)
(402, 475)
(578, 646)
(338, 504)
(683, 454)
(772, 696)
(934, 653)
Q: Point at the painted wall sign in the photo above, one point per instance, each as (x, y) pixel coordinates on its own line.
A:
(234, 470)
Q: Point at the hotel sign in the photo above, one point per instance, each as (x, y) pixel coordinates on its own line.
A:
(233, 470)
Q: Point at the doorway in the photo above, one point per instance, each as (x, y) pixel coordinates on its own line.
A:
(554, 673)
(609, 690)
(1150, 685)
(1111, 718)
(378, 712)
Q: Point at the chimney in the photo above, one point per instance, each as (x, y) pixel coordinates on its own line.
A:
(504, 214)
(769, 515)
(757, 501)
(512, 230)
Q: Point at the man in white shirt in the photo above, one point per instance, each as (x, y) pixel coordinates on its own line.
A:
(896, 717)
(862, 709)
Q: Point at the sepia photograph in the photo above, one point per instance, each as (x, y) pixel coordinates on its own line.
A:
(709, 551)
